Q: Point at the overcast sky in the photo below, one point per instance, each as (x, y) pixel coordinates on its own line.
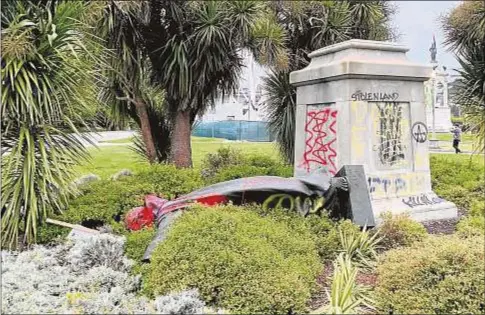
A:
(416, 22)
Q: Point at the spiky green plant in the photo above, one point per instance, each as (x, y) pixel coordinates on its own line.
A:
(471, 91)
(280, 103)
(42, 64)
(345, 296)
(361, 247)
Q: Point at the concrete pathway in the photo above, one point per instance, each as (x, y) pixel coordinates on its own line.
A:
(448, 152)
(453, 152)
(99, 137)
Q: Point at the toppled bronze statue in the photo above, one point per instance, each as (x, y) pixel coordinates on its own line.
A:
(343, 196)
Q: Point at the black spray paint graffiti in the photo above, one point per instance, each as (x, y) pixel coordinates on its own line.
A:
(387, 185)
(422, 200)
(391, 148)
(363, 96)
(419, 132)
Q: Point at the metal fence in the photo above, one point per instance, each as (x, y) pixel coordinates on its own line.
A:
(256, 131)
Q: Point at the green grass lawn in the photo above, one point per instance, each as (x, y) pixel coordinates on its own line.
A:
(467, 144)
(449, 137)
(108, 160)
(124, 140)
(464, 146)
(464, 158)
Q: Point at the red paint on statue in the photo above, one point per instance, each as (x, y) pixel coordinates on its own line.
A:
(212, 200)
(139, 218)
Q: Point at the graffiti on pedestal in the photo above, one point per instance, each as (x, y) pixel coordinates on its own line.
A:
(421, 200)
(419, 132)
(320, 140)
(392, 185)
(359, 127)
(387, 185)
(391, 149)
(379, 96)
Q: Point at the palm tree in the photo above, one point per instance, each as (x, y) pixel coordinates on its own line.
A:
(43, 60)
(294, 29)
(194, 48)
(126, 80)
(465, 35)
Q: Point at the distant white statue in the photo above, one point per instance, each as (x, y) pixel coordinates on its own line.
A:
(439, 94)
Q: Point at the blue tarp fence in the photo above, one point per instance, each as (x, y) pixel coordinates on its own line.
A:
(233, 130)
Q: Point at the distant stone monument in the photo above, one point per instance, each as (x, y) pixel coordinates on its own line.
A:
(433, 50)
(436, 95)
(362, 103)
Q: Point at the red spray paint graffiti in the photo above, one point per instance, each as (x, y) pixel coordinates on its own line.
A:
(320, 137)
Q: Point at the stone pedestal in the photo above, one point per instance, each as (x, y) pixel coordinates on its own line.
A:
(362, 103)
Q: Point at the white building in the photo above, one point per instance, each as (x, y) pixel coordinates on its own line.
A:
(246, 104)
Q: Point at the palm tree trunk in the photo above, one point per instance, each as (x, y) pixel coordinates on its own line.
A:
(181, 151)
(146, 132)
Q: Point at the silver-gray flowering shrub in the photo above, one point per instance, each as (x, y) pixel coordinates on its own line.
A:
(104, 279)
(186, 302)
(85, 275)
(99, 250)
(32, 286)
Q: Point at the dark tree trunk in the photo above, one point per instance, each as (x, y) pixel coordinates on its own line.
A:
(181, 151)
(146, 132)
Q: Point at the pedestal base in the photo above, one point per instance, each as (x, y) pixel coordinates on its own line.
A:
(434, 144)
(423, 207)
(442, 120)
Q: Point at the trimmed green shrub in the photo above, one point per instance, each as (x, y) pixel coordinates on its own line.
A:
(106, 201)
(459, 179)
(241, 171)
(441, 275)
(238, 171)
(400, 230)
(474, 223)
(135, 246)
(269, 165)
(260, 161)
(225, 156)
(326, 231)
(237, 260)
(471, 226)
(228, 163)
(281, 170)
(49, 233)
(169, 181)
(323, 228)
(477, 208)
(137, 242)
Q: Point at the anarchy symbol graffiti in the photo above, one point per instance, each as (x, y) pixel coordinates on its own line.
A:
(420, 132)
